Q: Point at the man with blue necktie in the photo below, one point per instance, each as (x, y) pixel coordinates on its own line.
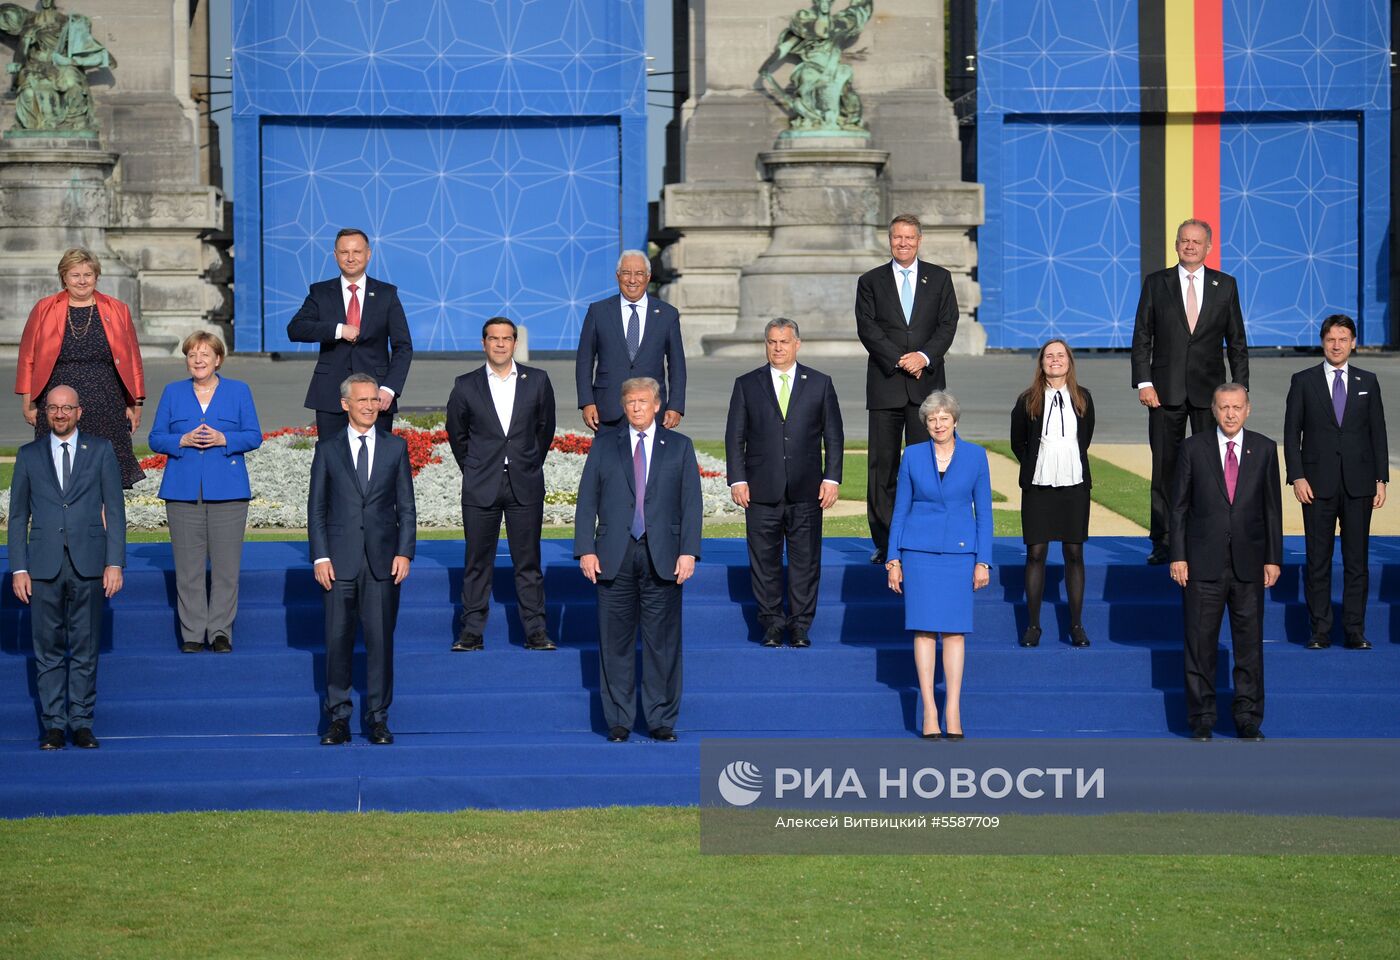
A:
(906, 315)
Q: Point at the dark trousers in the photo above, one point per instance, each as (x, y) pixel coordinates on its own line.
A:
(328, 423)
(374, 605)
(482, 528)
(887, 429)
(1204, 607)
(637, 596)
(1166, 428)
(66, 623)
(1320, 527)
(767, 526)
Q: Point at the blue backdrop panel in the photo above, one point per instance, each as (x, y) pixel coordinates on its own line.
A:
(470, 218)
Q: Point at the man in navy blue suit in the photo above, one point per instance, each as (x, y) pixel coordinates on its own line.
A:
(1338, 461)
(637, 536)
(362, 525)
(500, 422)
(782, 417)
(634, 335)
(67, 550)
(361, 327)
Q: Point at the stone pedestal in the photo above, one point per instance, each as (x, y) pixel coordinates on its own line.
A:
(55, 193)
(825, 214)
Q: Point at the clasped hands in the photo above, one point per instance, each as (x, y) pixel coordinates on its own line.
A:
(203, 437)
(913, 364)
(325, 573)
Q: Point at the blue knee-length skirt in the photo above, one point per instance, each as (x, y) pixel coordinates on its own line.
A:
(938, 591)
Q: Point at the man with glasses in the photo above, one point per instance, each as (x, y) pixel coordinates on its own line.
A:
(632, 335)
(67, 550)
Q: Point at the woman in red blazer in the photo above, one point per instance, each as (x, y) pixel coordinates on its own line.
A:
(85, 340)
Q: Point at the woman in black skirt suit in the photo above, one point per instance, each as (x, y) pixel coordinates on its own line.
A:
(1051, 427)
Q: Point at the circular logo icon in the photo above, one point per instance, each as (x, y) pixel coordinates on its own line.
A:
(741, 783)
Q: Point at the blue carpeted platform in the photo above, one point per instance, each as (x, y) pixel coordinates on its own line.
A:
(513, 728)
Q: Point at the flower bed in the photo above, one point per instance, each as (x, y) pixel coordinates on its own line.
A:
(280, 474)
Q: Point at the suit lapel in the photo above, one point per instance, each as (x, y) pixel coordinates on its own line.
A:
(340, 448)
(624, 450)
(381, 465)
(651, 330)
(658, 453)
(799, 380)
(1354, 383)
(519, 405)
(1178, 306)
(482, 386)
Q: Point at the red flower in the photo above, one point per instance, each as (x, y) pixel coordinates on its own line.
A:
(572, 443)
(155, 461)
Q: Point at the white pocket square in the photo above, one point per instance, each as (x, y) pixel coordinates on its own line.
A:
(1362, 393)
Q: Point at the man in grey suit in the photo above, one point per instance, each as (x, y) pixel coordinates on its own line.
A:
(637, 536)
(362, 524)
(67, 550)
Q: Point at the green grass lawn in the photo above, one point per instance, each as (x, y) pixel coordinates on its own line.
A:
(630, 882)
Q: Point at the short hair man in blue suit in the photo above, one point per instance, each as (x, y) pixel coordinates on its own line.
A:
(782, 418)
(361, 327)
(637, 536)
(363, 526)
(632, 335)
(67, 550)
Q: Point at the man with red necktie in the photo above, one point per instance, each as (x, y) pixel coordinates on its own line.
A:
(361, 327)
(1226, 550)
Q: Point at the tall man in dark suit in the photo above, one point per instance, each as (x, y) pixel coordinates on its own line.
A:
(782, 417)
(1184, 314)
(362, 524)
(633, 335)
(1337, 457)
(67, 550)
(1226, 549)
(500, 422)
(906, 315)
(637, 536)
(361, 327)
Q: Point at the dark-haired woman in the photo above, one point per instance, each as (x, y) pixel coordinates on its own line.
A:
(1051, 427)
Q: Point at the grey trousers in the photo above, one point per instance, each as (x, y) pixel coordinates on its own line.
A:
(206, 534)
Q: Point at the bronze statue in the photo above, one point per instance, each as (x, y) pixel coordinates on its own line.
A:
(55, 51)
(819, 94)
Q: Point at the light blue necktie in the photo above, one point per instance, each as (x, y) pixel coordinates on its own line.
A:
(906, 295)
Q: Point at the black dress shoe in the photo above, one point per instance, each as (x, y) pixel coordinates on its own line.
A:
(877, 557)
(1201, 732)
(773, 637)
(82, 737)
(664, 734)
(618, 734)
(800, 638)
(1031, 638)
(1318, 643)
(1077, 636)
(379, 733)
(221, 644)
(336, 734)
(51, 740)
(1358, 643)
(952, 736)
(467, 642)
(1250, 732)
(189, 646)
(931, 736)
(539, 641)
(1159, 555)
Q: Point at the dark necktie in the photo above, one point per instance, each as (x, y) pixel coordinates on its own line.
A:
(1339, 396)
(634, 333)
(67, 466)
(639, 479)
(362, 463)
(1232, 470)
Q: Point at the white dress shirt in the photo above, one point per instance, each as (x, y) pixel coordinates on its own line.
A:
(1057, 464)
(778, 379)
(913, 269)
(359, 295)
(1327, 369)
(353, 437)
(646, 447)
(1181, 274)
(1221, 440)
(503, 395)
(626, 313)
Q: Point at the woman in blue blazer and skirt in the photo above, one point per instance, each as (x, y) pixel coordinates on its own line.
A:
(204, 426)
(941, 551)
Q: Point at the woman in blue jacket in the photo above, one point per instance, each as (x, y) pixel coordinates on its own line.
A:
(941, 551)
(204, 426)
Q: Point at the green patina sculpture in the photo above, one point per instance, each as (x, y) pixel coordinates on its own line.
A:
(819, 95)
(55, 51)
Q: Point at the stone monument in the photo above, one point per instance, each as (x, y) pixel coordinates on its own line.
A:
(788, 186)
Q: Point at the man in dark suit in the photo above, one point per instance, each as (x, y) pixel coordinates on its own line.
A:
(362, 524)
(906, 315)
(361, 327)
(781, 418)
(500, 422)
(1337, 457)
(1226, 550)
(1184, 314)
(637, 536)
(67, 550)
(633, 335)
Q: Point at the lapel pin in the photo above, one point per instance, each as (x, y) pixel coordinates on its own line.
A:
(1215, 283)
(369, 293)
(923, 279)
(662, 442)
(803, 377)
(523, 376)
